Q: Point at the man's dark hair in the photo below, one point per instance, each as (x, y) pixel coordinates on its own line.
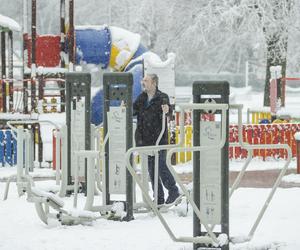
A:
(154, 78)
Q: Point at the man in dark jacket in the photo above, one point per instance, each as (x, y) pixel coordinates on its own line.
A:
(149, 107)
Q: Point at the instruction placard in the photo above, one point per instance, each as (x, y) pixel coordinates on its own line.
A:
(116, 118)
(210, 172)
(78, 136)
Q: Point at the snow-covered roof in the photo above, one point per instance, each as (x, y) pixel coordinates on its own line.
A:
(9, 23)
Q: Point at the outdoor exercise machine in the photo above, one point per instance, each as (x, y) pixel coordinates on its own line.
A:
(199, 239)
(211, 195)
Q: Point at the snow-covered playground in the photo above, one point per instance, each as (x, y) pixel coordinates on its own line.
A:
(146, 125)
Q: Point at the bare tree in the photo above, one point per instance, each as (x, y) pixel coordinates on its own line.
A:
(276, 23)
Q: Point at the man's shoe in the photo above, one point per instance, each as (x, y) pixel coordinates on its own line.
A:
(172, 198)
(160, 202)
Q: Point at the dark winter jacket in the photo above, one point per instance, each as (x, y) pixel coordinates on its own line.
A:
(149, 119)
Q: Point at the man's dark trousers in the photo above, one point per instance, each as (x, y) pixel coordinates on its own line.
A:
(165, 176)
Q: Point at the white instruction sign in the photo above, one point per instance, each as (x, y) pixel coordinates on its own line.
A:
(78, 136)
(116, 118)
(210, 172)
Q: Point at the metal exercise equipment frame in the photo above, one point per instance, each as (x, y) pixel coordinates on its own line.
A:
(210, 168)
(25, 158)
(118, 87)
(211, 238)
(238, 179)
(250, 148)
(78, 87)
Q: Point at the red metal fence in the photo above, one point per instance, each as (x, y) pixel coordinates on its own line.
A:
(264, 134)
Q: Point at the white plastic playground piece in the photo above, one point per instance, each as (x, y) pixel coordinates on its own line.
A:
(165, 70)
(9, 23)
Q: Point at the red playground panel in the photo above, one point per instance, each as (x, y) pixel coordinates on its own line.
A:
(47, 50)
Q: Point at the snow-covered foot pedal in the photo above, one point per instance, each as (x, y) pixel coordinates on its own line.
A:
(53, 200)
(117, 212)
(240, 239)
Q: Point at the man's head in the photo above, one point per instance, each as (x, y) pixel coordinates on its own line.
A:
(150, 83)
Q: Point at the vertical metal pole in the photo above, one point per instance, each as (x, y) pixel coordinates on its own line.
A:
(196, 168)
(68, 122)
(33, 93)
(33, 52)
(129, 182)
(3, 54)
(87, 126)
(25, 56)
(225, 176)
(40, 81)
(71, 35)
(3, 70)
(10, 69)
(62, 96)
(62, 33)
(40, 145)
(33, 32)
(106, 149)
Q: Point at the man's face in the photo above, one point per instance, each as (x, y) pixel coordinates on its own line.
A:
(148, 84)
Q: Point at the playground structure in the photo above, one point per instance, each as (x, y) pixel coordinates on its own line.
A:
(47, 58)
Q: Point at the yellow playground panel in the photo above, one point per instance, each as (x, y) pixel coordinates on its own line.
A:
(257, 116)
(183, 157)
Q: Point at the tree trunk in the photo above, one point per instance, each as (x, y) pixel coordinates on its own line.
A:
(277, 44)
(275, 57)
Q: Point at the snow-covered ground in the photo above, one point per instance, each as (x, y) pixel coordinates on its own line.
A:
(22, 229)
